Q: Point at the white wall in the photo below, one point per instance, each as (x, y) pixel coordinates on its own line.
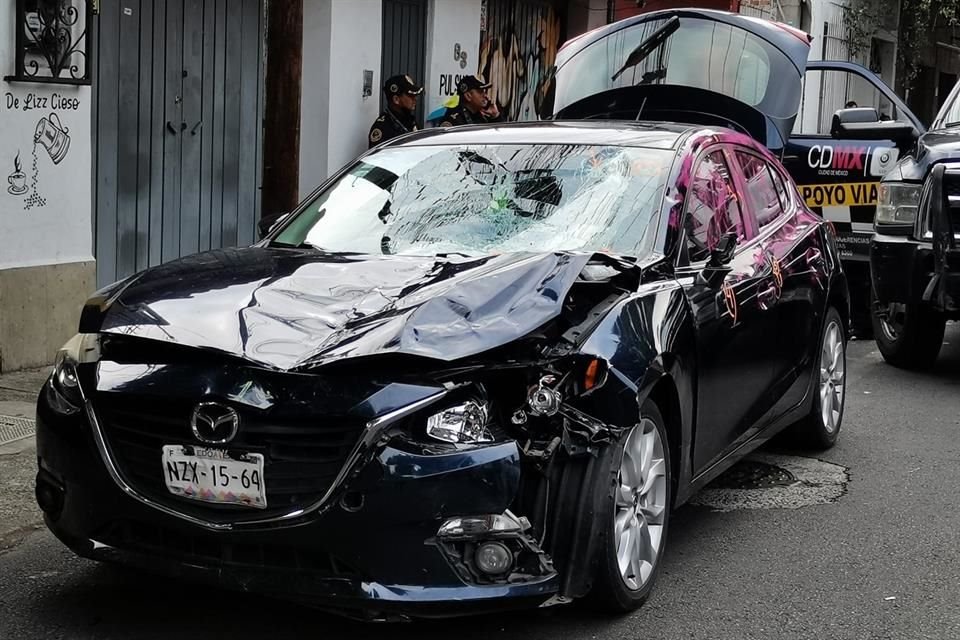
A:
(58, 229)
(341, 38)
(450, 23)
(314, 94)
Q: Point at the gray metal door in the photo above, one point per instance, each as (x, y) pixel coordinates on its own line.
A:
(177, 135)
(404, 44)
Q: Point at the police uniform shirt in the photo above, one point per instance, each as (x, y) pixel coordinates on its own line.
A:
(390, 125)
(462, 115)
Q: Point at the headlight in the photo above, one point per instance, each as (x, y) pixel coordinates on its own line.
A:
(897, 203)
(464, 423)
(64, 393)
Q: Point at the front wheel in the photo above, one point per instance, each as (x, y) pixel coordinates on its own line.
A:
(909, 336)
(636, 505)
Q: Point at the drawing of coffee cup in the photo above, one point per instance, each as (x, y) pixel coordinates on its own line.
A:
(53, 136)
(18, 182)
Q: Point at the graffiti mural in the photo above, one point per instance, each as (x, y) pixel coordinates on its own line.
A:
(517, 47)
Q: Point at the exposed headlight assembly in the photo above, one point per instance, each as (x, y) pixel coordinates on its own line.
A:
(64, 394)
(898, 203)
(463, 423)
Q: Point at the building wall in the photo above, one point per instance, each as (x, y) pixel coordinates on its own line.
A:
(46, 261)
(453, 26)
(627, 8)
(341, 39)
(518, 45)
(584, 16)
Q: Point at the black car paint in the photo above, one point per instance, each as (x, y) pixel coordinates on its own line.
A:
(649, 323)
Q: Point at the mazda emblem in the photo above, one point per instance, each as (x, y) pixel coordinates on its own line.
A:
(214, 423)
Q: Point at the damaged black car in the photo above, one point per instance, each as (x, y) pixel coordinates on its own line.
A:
(476, 369)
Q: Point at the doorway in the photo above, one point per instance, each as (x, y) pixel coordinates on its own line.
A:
(178, 103)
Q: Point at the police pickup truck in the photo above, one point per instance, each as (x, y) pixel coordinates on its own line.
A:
(914, 258)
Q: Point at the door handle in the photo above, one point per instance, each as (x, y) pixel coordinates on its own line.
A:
(193, 131)
(766, 298)
(170, 128)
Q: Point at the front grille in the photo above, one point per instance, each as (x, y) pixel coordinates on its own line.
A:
(951, 185)
(302, 457)
(218, 552)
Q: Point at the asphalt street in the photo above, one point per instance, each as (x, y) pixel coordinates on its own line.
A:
(879, 559)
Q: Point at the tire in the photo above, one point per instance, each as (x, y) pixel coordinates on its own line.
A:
(909, 336)
(820, 429)
(616, 591)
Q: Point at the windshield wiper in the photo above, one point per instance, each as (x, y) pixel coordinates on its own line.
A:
(648, 46)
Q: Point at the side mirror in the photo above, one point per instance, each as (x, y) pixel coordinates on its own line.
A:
(716, 270)
(865, 124)
(269, 223)
(722, 254)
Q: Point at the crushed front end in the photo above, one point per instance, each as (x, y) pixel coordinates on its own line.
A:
(391, 485)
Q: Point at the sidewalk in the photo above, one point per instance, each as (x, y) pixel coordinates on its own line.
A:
(19, 514)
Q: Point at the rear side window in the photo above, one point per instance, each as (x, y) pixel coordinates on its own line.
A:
(712, 208)
(763, 194)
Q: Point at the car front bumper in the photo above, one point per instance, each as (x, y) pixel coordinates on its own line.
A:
(380, 560)
(902, 270)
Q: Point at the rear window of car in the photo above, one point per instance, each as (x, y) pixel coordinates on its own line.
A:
(703, 54)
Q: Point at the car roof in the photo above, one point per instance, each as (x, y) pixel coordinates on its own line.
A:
(653, 135)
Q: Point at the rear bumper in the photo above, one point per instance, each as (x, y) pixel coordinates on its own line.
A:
(903, 270)
(381, 560)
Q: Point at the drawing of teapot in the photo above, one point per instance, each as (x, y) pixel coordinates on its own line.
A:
(53, 136)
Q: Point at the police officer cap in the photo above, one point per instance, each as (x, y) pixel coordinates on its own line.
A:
(468, 83)
(400, 84)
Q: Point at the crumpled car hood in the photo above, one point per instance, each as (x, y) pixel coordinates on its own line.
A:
(288, 308)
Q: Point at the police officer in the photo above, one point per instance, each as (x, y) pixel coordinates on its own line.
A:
(399, 116)
(475, 106)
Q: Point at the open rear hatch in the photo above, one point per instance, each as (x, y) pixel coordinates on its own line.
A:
(685, 65)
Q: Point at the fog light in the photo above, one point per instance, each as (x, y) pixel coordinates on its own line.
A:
(493, 558)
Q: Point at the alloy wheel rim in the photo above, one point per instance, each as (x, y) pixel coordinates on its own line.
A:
(832, 377)
(892, 319)
(641, 504)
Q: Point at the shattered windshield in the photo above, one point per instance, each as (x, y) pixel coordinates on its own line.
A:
(484, 199)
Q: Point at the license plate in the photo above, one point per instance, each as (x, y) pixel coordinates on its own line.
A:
(214, 475)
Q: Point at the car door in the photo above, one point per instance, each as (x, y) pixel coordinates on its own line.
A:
(794, 261)
(733, 330)
(839, 176)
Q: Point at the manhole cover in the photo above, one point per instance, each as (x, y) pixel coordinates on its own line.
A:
(768, 481)
(12, 428)
(752, 474)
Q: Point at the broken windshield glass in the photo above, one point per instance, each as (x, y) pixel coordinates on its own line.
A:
(486, 199)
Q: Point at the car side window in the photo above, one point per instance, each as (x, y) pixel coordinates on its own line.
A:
(712, 207)
(762, 193)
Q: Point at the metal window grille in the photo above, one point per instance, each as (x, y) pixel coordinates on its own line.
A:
(53, 41)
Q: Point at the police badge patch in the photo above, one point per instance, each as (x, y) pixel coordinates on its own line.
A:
(376, 135)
